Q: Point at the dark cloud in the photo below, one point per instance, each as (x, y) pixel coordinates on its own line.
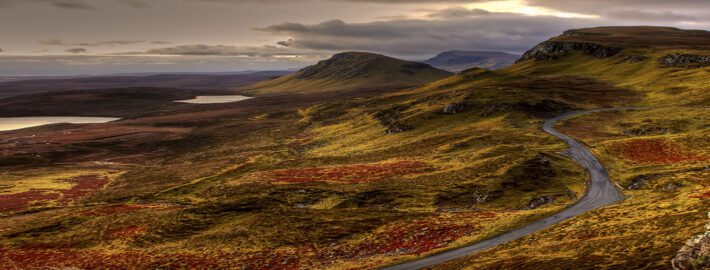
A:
(76, 50)
(496, 31)
(261, 52)
(59, 42)
(68, 4)
(201, 49)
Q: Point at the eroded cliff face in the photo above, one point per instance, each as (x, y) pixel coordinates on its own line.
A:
(685, 60)
(695, 254)
(550, 50)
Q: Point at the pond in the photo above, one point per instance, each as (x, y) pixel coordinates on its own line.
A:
(214, 99)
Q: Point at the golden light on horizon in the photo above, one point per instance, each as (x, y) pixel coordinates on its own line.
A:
(521, 7)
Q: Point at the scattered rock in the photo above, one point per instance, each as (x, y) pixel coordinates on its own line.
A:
(389, 119)
(533, 174)
(457, 107)
(575, 32)
(672, 186)
(543, 108)
(633, 58)
(695, 254)
(540, 201)
(639, 181)
(467, 196)
(550, 50)
(685, 60)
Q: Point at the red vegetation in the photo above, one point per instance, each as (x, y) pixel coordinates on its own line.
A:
(657, 151)
(358, 173)
(83, 186)
(122, 208)
(705, 195)
(416, 237)
(128, 231)
(73, 258)
(22, 200)
(268, 260)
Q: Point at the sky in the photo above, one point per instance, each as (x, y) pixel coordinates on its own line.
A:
(89, 37)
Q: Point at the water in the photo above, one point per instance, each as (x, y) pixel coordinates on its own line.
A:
(214, 99)
(13, 123)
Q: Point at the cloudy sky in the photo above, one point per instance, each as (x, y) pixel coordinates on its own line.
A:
(69, 37)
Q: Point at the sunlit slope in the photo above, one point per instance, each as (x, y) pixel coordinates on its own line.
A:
(670, 66)
(350, 71)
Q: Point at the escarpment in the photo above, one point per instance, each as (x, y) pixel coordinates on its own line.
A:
(550, 50)
(684, 60)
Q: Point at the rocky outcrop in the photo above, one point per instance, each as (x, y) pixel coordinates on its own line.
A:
(685, 60)
(540, 201)
(633, 58)
(467, 196)
(456, 107)
(389, 119)
(576, 32)
(550, 50)
(695, 254)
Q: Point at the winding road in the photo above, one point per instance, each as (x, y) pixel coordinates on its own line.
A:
(600, 192)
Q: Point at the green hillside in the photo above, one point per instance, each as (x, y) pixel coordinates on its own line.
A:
(321, 177)
(351, 71)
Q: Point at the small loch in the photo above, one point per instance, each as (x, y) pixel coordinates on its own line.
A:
(214, 99)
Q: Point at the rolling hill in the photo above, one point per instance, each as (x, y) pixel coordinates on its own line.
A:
(456, 61)
(351, 71)
(319, 180)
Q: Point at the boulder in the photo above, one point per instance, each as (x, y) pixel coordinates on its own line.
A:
(695, 254)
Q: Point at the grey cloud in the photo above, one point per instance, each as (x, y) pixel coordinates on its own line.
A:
(408, 38)
(59, 42)
(85, 64)
(458, 12)
(68, 4)
(228, 50)
(651, 16)
(639, 11)
(603, 5)
(134, 3)
(415, 1)
(73, 4)
(52, 42)
(76, 50)
(285, 43)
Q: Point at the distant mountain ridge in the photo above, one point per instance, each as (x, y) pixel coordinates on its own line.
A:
(350, 71)
(459, 60)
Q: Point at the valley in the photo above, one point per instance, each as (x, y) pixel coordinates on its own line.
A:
(364, 161)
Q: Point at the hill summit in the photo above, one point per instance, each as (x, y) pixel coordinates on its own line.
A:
(351, 71)
(456, 61)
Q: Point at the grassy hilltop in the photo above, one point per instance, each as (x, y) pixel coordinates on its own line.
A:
(364, 160)
(350, 71)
